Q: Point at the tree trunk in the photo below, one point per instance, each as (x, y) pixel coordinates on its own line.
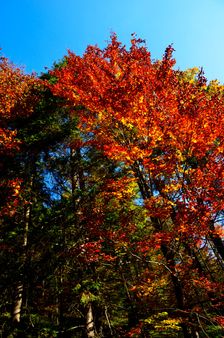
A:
(217, 241)
(19, 288)
(18, 296)
(90, 322)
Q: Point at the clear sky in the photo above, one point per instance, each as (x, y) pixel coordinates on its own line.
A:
(35, 33)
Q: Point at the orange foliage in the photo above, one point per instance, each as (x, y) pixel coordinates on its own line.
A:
(150, 117)
(18, 97)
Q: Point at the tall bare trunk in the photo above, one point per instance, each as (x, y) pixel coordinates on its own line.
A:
(90, 322)
(18, 296)
(19, 288)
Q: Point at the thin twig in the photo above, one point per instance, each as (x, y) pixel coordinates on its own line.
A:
(108, 321)
(199, 322)
(153, 262)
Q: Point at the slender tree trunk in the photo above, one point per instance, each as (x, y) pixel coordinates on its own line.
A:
(19, 288)
(20, 285)
(132, 311)
(217, 241)
(72, 176)
(61, 305)
(18, 296)
(90, 330)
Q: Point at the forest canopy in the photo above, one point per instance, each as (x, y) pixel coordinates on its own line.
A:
(112, 197)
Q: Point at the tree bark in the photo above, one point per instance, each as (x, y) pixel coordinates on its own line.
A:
(18, 296)
(19, 288)
(90, 330)
(217, 241)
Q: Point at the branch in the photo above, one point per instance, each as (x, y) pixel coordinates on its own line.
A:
(154, 262)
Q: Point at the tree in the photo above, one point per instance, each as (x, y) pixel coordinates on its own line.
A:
(166, 129)
(18, 97)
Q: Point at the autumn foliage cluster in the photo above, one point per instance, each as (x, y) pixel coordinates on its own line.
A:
(112, 198)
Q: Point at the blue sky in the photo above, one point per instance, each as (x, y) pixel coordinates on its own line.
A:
(35, 33)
